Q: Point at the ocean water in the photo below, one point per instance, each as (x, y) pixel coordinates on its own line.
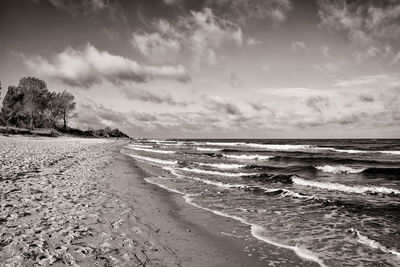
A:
(334, 202)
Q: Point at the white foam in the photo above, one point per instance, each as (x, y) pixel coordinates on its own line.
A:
(247, 157)
(223, 166)
(154, 160)
(152, 150)
(208, 149)
(345, 188)
(223, 143)
(142, 146)
(232, 174)
(394, 152)
(339, 169)
(374, 244)
(280, 147)
(257, 231)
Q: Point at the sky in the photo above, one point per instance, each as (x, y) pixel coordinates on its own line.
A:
(213, 69)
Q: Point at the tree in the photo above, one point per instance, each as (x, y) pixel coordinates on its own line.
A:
(13, 111)
(55, 108)
(67, 106)
(35, 98)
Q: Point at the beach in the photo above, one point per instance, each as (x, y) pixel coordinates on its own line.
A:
(80, 202)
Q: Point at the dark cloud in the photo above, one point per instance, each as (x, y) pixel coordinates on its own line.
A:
(366, 98)
(146, 96)
(223, 107)
(318, 103)
(89, 66)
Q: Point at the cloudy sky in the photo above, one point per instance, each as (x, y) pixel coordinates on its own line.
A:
(208, 68)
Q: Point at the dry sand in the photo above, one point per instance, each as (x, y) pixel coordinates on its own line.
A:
(80, 202)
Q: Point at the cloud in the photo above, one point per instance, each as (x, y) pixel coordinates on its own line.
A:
(235, 80)
(146, 96)
(365, 22)
(371, 81)
(172, 2)
(396, 59)
(163, 43)
(318, 103)
(327, 67)
(201, 33)
(243, 11)
(95, 116)
(253, 42)
(299, 46)
(87, 7)
(89, 66)
(221, 106)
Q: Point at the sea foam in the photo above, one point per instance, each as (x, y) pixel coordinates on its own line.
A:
(345, 188)
(258, 231)
(232, 174)
(373, 244)
(339, 169)
(224, 166)
(208, 149)
(151, 150)
(247, 157)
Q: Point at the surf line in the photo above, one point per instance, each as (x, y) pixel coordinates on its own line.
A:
(256, 232)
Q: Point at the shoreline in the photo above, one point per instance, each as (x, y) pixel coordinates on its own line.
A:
(81, 202)
(212, 234)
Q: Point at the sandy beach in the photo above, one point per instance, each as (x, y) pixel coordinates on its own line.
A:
(80, 202)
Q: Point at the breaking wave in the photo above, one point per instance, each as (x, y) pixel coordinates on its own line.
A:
(224, 166)
(208, 149)
(339, 169)
(201, 171)
(247, 157)
(372, 243)
(346, 188)
(151, 150)
(154, 160)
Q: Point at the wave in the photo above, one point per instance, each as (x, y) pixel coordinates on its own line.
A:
(259, 233)
(383, 171)
(372, 243)
(346, 188)
(154, 160)
(263, 146)
(303, 147)
(254, 189)
(223, 166)
(271, 178)
(152, 150)
(394, 152)
(208, 149)
(389, 173)
(141, 146)
(339, 169)
(232, 174)
(247, 157)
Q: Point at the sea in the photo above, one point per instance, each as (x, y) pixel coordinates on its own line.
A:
(335, 202)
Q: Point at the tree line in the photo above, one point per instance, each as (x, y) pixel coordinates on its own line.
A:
(32, 105)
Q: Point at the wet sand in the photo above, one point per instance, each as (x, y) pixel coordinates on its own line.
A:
(80, 202)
